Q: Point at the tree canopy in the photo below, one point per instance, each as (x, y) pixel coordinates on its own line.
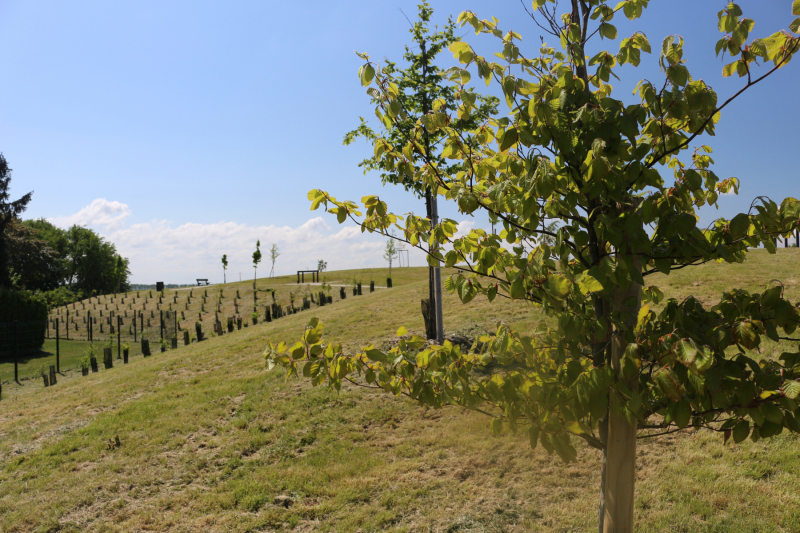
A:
(617, 360)
(9, 212)
(85, 262)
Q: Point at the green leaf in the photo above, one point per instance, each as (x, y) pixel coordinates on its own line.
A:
(608, 31)
(678, 74)
(491, 293)
(704, 359)
(745, 334)
(401, 331)
(791, 389)
(588, 284)
(772, 413)
(376, 355)
(685, 351)
(517, 289)
(796, 7)
(693, 179)
(683, 413)
(497, 426)
(533, 435)
(739, 226)
(366, 73)
(741, 431)
(509, 139)
(668, 382)
(558, 285)
(729, 69)
(727, 23)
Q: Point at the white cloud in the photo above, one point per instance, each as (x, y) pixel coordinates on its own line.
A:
(161, 250)
(100, 213)
(463, 228)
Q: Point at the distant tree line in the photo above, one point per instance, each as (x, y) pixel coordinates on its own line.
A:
(64, 264)
(42, 260)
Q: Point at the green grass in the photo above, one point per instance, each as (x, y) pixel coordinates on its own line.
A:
(211, 442)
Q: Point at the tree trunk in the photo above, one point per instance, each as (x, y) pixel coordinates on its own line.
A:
(620, 467)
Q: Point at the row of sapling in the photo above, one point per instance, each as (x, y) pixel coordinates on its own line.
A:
(618, 361)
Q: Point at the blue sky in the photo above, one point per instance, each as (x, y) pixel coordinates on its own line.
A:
(185, 130)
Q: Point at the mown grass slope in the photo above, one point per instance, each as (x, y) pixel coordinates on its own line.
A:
(211, 442)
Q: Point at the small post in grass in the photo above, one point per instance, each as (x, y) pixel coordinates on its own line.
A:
(119, 337)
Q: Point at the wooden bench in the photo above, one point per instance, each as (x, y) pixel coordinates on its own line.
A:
(200, 282)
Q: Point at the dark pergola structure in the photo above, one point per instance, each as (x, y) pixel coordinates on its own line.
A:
(301, 275)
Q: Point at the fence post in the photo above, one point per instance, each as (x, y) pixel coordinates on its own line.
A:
(16, 353)
(66, 323)
(58, 352)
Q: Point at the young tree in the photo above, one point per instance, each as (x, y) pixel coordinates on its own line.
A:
(9, 211)
(256, 261)
(273, 255)
(418, 87)
(120, 269)
(224, 268)
(608, 368)
(389, 253)
(322, 265)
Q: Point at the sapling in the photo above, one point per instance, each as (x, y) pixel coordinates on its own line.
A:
(616, 360)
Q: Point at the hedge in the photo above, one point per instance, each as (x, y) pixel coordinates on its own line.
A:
(24, 307)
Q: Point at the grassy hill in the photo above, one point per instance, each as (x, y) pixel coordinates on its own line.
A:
(208, 441)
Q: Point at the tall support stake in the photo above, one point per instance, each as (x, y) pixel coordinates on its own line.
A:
(66, 324)
(434, 275)
(16, 352)
(134, 326)
(58, 351)
(621, 441)
(161, 315)
(119, 337)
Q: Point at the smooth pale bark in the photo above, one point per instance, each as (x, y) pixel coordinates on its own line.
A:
(620, 467)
